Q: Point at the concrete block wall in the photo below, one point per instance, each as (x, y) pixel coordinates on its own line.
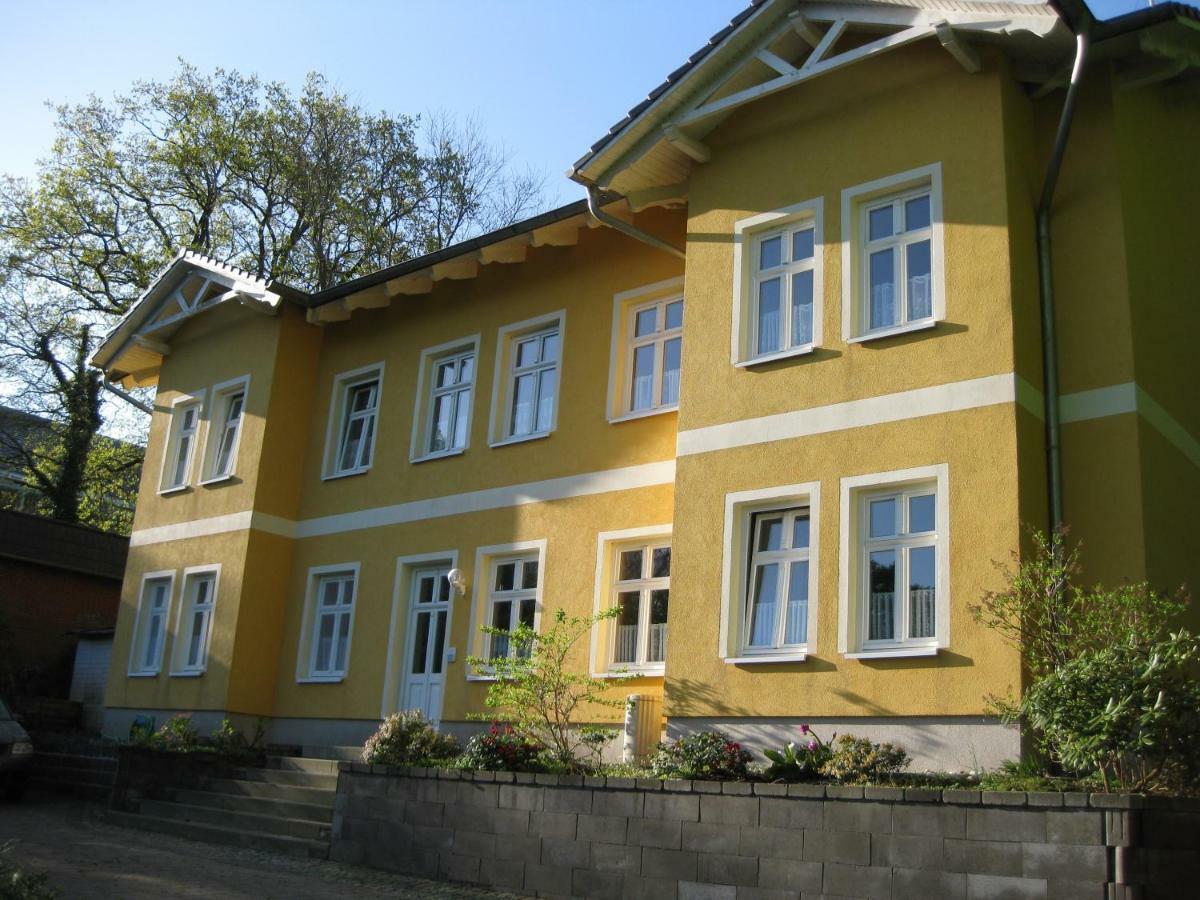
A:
(565, 836)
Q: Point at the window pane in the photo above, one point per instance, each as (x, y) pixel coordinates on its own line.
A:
(527, 352)
(329, 592)
(628, 603)
(443, 587)
(883, 289)
(362, 397)
(656, 647)
(446, 372)
(194, 645)
(802, 244)
(522, 411)
(506, 574)
(800, 532)
(920, 295)
(883, 517)
(343, 641)
(916, 213)
(802, 308)
(420, 644)
(770, 534)
(646, 322)
(153, 635)
(179, 474)
(881, 612)
(439, 645)
(461, 410)
(642, 394)
(922, 578)
(921, 516)
(525, 613)
(529, 575)
(550, 347)
(768, 316)
(443, 408)
(670, 385)
(675, 315)
(324, 643)
(354, 437)
(660, 562)
(545, 409)
(364, 450)
(466, 370)
(425, 589)
(770, 252)
(631, 565)
(795, 629)
(502, 615)
(762, 611)
(880, 223)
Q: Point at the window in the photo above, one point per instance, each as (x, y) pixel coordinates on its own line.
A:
(527, 379)
(196, 612)
(895, 583)
(353, 419)
(181, 442)
(777, 590)
(512, 601)
(641, 591)
(329, 615)
(777, 284)
(656, 342)
(442, 418)
(895, 274)
(225, 429)
(770, 566)
(150, 625)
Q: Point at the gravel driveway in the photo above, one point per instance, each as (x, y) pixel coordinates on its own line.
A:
(88, 858)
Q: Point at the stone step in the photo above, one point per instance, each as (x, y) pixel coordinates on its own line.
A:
(241, 821)
(281, 776)
(267, 806)
(270, 791)
(73, 788)
(303, 764)
(215, 834)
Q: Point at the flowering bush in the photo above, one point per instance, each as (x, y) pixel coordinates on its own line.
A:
(500, 749)
(800, 760)
(405, 739)
(856, 760)
(706, 755)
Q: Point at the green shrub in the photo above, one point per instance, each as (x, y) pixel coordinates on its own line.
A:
(501, 749)
(18, 885)
(705, 756)
(856, 760)
(407, 739)
(798, 761)
(1129, 712)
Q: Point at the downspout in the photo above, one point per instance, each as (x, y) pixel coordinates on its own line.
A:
(1046, 287)
(637, 234)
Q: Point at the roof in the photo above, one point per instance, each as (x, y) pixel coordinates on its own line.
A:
(60, 545)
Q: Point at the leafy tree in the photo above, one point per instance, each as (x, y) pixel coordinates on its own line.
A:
(543, 697)
(302, 187)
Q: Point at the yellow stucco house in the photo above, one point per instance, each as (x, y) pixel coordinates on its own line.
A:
(780, 389)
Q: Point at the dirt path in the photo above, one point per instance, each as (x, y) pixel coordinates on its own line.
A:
(88, 858)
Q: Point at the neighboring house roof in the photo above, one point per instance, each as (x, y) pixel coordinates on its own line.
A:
(59, 545)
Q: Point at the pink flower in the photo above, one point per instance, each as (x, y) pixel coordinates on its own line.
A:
(804, 729)
(812, 746)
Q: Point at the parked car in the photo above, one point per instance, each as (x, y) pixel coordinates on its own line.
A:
(16, 755)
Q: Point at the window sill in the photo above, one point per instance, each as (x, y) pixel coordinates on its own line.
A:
(481, 677)
(444, 454)
(652, 671)
(922, 325)
(332, 476)
(217, 479)
(188, 673)
(153, 674)
(178, 489)
(767, 658)
(521, 439)
(321, 679)
(806, 350)
(893, 653)
(643, 414)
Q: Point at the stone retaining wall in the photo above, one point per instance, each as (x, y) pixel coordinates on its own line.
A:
(620, 837)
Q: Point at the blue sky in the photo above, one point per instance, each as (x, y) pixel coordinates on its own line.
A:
(545, 77)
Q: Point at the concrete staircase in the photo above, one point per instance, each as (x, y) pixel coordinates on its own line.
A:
(90, 777)
(286, 807)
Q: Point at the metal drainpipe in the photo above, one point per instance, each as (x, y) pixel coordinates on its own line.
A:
(593, 194)
(1046, 286)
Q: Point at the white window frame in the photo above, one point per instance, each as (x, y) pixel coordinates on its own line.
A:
(486, 559)
(856, 201)
(626, 306)
(741, 508)
(506, 375)
(137, 644)
(423, 411)
(608, 547)
(307, 651)
(748, 233)
(179, 407)
(222, 398)
(185, 620)
(343, 385)
(856, 492)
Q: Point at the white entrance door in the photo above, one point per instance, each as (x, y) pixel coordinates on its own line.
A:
(428, 623)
